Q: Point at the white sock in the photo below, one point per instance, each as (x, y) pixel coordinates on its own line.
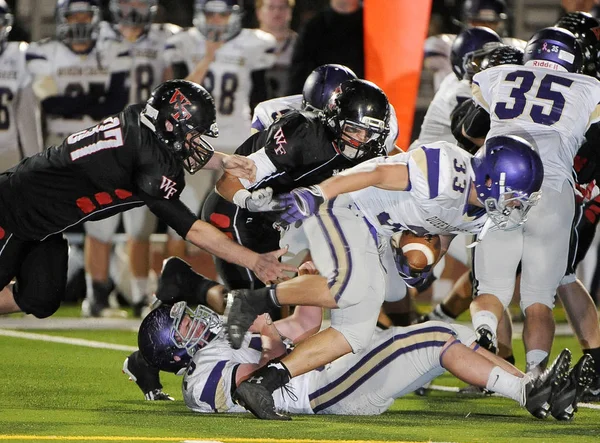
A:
(534, 358)
(438, 314)
(507, 385)
(486, 318)
(89, 288)
(139, 289)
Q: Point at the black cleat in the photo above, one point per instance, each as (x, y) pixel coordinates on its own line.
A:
(145, 376)
(486, 339)
(565, 398)
(258, 400)
(474, 391)
(539, 391)
(240, 315)
(592, 394)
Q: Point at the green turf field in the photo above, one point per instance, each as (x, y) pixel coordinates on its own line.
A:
(60, 392)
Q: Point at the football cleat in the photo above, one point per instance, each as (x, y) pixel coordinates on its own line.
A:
(145, 376)
(240, 314)
(258, 400)
(565, 398)
(91, 309)
(486, 339)
(474, 391)
(539, 390)
(158, 395)
(593, 392)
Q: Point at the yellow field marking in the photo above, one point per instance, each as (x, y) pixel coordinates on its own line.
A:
(184, 439)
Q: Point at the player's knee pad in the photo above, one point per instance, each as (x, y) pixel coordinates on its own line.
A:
(503, 291)
(103, 230)
(528, 299)
(568, 279)
(139, 223)
(42, 279)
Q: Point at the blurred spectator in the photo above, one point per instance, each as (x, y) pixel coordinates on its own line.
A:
(334, 35)
(274, 17)
(306, 10)
(577, 5)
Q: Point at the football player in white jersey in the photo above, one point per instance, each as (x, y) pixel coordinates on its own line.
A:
(139, 52)
(548, 102)
(445, 191)
(71, 74)
(456, 86)
(438, 48)
(396, 361)
(20, 125)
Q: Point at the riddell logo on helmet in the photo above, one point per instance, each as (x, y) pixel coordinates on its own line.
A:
(180, 102)
(546, 64)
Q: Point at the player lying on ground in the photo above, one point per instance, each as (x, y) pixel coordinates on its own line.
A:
(178, 339)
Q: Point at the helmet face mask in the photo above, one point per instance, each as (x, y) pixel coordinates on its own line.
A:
(180, 113)
(508, 177)
(77, 21)
(218, 20)
(6, 23)
(358, 115)
(135, 13)
(169, 336)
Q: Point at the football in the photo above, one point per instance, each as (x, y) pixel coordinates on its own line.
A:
(420, 251)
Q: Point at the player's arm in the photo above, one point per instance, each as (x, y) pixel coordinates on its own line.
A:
(199, 72)
(205, 236)
(392, 177)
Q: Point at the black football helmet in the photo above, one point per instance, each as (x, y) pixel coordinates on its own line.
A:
(71, 33)
(358, 114)
(496, 56)
(321, 83)
(585, 28)
(169, 336)
(180, 112)
(234, 9)
(133, 12)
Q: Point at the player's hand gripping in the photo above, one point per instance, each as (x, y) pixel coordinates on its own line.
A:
(239, 166)
(268, 268)
(299, 204)
(262, 200)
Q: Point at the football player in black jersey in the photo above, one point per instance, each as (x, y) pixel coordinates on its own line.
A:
(131, 159)
(300, 147)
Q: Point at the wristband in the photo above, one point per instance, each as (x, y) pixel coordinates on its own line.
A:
(240, 197)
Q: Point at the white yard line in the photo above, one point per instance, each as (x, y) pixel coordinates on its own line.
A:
(66, 340)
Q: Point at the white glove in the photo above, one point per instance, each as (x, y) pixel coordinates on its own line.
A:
(260, 200)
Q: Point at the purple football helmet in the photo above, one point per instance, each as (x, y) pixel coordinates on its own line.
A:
(234, 9)
(508, 177)
(169, 336)
(77, 33)
(468, 44)
(321, 84)
(484, 11)
(554, 48)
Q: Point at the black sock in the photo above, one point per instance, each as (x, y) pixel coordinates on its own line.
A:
(100, 292)
(595, 353)
(510, 359)
(264, 299)
(179, 282)
(446, 311)
(272, 376)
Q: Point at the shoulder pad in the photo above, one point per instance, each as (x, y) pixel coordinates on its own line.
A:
(161, 186)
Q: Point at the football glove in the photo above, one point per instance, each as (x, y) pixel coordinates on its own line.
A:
(261, 200)
(299, 204)
(586, 192)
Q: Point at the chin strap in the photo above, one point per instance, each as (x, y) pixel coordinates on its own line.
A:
(487, 227)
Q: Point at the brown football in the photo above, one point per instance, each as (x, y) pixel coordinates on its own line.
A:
(420, 251)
